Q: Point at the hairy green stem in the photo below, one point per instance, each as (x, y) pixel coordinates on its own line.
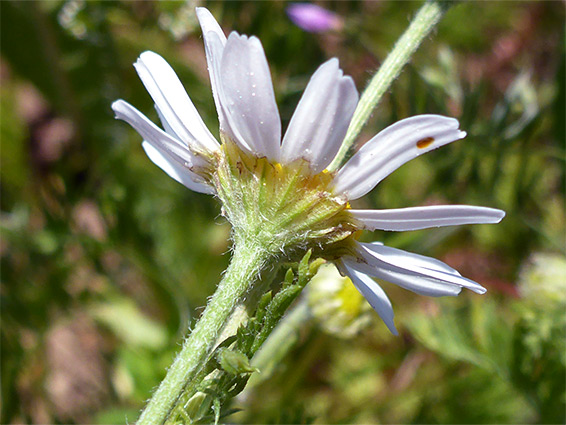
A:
(423, 23)
(244, 272)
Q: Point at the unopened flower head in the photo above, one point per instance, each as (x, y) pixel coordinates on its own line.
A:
(335, 304)
(277, 190)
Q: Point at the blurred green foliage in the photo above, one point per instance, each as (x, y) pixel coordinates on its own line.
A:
(106, 261)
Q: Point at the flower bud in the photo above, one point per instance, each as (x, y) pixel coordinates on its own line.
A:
(543, 279)
(234, 362)
(197, 406)
(336, 304)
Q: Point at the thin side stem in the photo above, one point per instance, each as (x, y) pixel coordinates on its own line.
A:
(280, 342)
(426, 19)
(244, 271)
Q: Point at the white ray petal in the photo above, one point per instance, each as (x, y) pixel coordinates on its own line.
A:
(414, 282)
(393, 147)
(409, 259)
(173, 102)
(214, 42)
(209, 24)
(153, 134)
(165, 124)
(417, 273)
(374, 295)
(321, 119)
(403, 219)
(174, 170)
(248, 98)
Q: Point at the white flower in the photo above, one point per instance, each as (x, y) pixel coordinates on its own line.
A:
(249, 118)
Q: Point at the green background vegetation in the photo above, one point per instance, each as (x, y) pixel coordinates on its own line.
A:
(106, 260)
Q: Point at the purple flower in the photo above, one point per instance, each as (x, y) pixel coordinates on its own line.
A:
(313, 18)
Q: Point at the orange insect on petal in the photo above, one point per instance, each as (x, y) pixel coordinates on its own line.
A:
(425, 143)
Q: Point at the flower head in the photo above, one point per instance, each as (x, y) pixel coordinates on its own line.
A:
(313, 18)
(336, 306)
(278, 191)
